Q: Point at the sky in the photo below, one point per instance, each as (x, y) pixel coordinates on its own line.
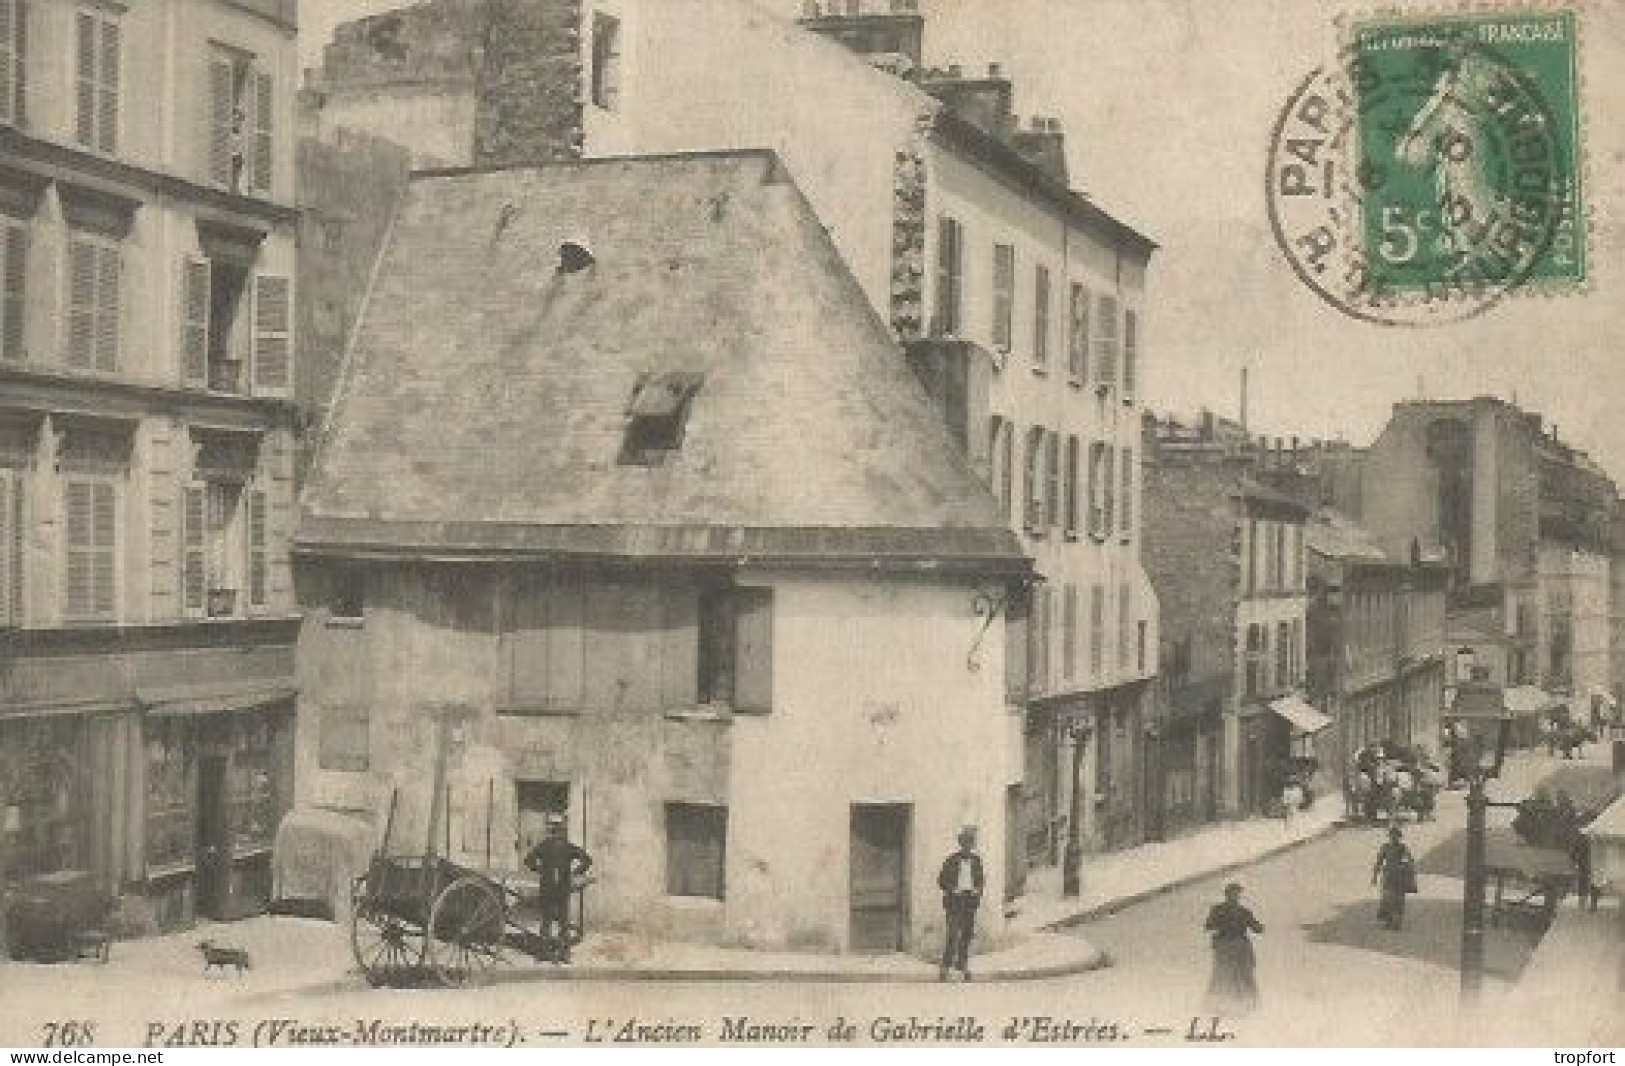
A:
(1168, 107)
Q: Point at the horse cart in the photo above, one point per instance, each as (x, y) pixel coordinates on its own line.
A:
(423, 919)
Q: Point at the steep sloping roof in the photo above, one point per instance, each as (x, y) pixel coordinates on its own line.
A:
(486, 402)
(1336, 536)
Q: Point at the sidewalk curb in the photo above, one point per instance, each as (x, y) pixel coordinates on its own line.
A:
(1112, 906)
(1097, 960)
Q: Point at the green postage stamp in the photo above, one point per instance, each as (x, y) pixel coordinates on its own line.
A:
(1436, 169)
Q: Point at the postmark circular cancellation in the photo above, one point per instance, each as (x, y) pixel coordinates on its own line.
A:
(1431, 172)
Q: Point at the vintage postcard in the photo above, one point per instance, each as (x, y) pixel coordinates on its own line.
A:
(549, 524)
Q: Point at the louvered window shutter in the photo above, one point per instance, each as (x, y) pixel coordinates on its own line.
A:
(108, 92)
(222, 130)
(8, 562)
(195, 322)
(257, 558)
(272, 309)
(194, 536)
(753, 649)
(14, 303)
(104, 534)
(10, 58)
(264, 116)
(82, 304)
(84, 125)
(109, 267)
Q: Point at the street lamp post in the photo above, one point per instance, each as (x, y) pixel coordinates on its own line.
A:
(1483, 716)
(1077, 731)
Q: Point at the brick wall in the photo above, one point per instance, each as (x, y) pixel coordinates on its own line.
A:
(1189, 553)
(529, 88)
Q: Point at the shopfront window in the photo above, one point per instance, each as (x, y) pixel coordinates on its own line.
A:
(40, 803)
(171, 793)
(250, 786)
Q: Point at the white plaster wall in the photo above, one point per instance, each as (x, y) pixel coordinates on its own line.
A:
(873, 702)
(720, 74)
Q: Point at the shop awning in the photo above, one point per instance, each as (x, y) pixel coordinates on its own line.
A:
(1304, 718)
(212, 698)
(1607, 833)
(1527, 699)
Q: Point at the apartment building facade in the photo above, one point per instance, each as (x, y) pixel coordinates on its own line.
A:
(1225, 552)
(146, 448)
(1023, 305)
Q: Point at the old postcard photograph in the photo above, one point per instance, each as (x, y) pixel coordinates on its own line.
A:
(545, 524)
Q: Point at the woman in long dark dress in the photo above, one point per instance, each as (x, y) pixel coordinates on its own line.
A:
(1234, 987)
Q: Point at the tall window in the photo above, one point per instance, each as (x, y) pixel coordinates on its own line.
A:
(696, 849)
(1072, 486)
(1077, 341)
(1108, 483)
(1131, 354)
(12, 536)
(96, 82)
(1125, 624)
(1032, 482)
(1106, 341)
(13, 286)
(11, 61)
(242, 111)
(95, 271)
(1069, 633)
(1099, 472)
(606, 61)
(950, 274)
(1041, 315)
(90, 547)
(224, 548)
(1256, 660)
(1097, 629)
(1126, 508)
(1283, 654)
(1004, 295)
(1052, 479)
(1278, 574)
(736, 647)
(1297, 650)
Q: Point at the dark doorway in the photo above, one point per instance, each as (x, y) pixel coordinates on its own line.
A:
(538, 799)
(213, 838)
(879, 887)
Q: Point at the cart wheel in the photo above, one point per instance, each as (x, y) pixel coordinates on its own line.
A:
(466, 927)
(388, 951)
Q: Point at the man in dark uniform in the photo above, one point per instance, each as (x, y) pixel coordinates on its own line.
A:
(961, 881)
(557, 863)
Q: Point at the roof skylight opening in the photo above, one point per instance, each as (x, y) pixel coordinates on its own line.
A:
(657, 416)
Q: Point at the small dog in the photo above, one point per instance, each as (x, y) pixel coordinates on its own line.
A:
(222, 956)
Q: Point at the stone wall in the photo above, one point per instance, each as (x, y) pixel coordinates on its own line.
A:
(529, 88)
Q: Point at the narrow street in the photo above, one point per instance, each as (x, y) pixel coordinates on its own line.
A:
(1322, 946)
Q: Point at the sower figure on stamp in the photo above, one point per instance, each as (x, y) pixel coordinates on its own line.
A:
(558, 864)
(961, 881)
(1233, 989)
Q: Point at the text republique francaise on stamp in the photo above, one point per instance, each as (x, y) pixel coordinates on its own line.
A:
(1436, 168)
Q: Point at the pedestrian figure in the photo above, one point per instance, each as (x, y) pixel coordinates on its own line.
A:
(1397, 869)
(558, 865)
(1233, 989)
(961, 881)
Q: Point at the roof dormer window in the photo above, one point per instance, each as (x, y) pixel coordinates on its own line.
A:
(657, 416)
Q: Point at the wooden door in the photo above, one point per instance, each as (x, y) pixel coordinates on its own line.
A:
(879, 876)
(213, 862)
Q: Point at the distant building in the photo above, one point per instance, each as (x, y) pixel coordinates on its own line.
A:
(1225, 552)
(146, 450)
(1023, 304)
(1524, 522)
(627, 485)
(1377, 658)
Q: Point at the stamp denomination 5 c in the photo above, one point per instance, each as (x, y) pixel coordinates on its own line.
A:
(1435, 169)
